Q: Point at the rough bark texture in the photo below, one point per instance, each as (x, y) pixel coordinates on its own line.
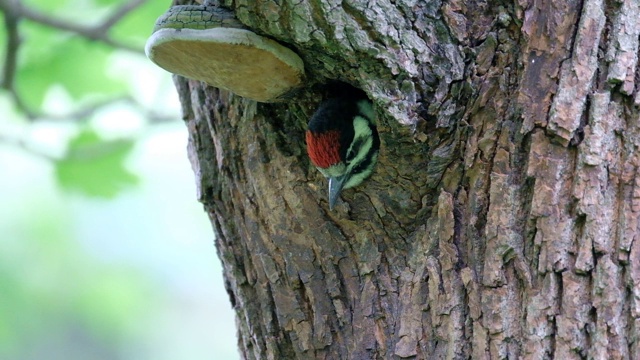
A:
(503, 218)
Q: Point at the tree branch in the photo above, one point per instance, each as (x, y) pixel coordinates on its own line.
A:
(13, 43)
(99, 32)
(22, 144)
(14, 11)
(120, 13)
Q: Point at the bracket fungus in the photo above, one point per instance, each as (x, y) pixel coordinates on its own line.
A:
(210, 45)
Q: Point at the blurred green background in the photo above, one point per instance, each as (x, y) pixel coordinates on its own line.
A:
(104, 251)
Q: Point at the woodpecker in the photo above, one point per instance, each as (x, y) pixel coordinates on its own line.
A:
(343, 143)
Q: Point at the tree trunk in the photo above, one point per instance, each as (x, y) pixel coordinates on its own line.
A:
(502, 220)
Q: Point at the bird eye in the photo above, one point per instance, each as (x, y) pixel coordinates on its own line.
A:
(350, 155)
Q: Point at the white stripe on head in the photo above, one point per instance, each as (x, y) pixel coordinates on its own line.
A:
(366, 108)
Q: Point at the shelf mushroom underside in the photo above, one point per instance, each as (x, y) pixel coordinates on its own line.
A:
(237, 60)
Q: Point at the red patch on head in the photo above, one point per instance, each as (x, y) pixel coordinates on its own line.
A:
(323, 148)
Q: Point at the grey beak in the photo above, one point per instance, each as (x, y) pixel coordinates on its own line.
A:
(335, 186)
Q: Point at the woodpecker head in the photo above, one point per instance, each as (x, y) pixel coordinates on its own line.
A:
(343, 143)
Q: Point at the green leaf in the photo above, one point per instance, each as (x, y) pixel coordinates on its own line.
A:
(108, 2)
(51, 58)
(95, 167)
(47, 6)
(136, 27)
(73, 9)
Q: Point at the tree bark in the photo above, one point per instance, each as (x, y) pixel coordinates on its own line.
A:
(502, 220)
